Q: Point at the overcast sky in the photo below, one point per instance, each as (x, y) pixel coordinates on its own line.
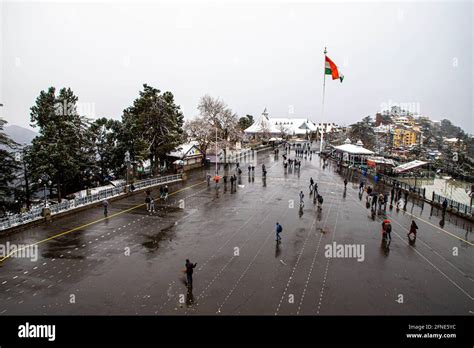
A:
(252, 55)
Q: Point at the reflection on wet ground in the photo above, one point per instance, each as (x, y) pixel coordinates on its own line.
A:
(132, 263)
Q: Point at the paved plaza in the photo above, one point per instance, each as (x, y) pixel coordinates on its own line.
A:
(132, 262)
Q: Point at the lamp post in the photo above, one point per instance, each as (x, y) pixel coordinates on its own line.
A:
(127, 165)
(45, 181)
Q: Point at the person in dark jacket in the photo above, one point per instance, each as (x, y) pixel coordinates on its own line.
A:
(445, 206)
(189, 272)
(413, 229)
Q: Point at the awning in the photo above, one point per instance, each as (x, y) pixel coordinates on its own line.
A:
(409, 166)
(353, 149)
(374, 161)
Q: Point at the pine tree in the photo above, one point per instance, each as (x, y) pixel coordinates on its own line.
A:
(9, 168)
(60, 153)
(155, 124)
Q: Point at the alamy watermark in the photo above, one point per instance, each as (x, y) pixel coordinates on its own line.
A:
(24, 251)
(411, 107)
(349, 251)
(79, 108)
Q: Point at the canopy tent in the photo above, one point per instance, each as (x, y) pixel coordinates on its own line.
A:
(405, 167)
(353, 149)
(352, 154)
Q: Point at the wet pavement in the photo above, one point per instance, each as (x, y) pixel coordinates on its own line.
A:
(132, 262)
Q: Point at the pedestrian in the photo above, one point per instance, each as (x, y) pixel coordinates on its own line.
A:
(413, 229)
(369, 191)
(385, 200)
(189, 273)
(445, 206)
(250, 168)
(147, 203)
(392, 195)
(208, 178)
(278, 230)
(105, 204)
(165, 192)
(406, 200)
(320, 201)
(301, 198)
(152, 205)
(232, 180)
(381, 201)
(374, 200)
(361, 186)
(386, 230)
(345, 184)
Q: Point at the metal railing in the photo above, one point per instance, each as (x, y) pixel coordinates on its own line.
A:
(36, 213)
(460, 207)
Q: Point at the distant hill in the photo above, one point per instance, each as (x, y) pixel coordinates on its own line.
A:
(19, 134)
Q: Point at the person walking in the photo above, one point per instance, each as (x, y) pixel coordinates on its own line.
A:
(162, 192)
(105, 204)
(320, 202)
(301, 198)
(189, 273)
(369, 191)
(345, 183)
(152, 205)
(232, 183)
(147, 203)
(361, 187)
(387, 230)
(208, 178)
(278, 230)
(381, 201)
(413, 229)
(445, 206)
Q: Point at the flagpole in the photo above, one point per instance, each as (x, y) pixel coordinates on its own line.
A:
(322, 106)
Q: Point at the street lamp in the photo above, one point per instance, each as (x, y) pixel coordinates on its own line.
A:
(45, 181)
(127, 162)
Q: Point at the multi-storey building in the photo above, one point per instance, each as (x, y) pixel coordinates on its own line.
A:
(406, 137)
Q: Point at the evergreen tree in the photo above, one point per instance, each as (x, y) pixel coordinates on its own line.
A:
(154, 124)
(60, 153)
(9, 168)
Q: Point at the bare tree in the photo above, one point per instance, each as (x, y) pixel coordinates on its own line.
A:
(283, 129)
(214, 114)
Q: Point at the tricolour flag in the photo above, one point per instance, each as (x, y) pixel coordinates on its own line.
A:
(331, 69)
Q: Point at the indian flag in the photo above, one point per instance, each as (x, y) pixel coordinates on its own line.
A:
(331, 69)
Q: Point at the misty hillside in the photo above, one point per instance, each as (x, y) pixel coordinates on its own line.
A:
(19, 134)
